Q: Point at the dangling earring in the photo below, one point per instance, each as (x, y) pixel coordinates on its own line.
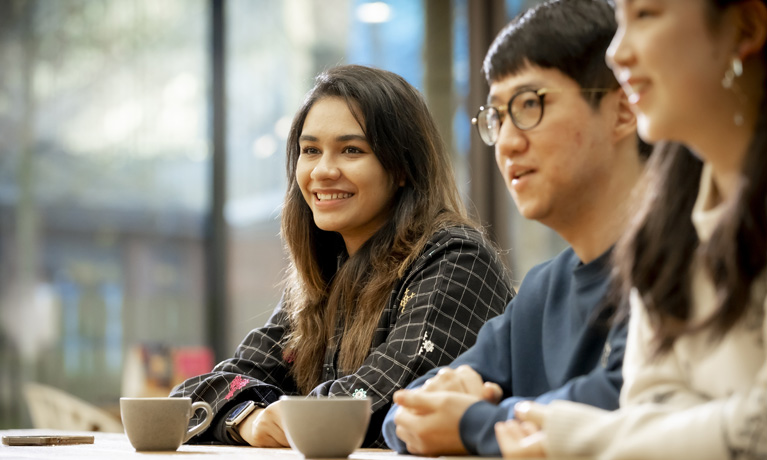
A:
(735, 71)
(728, 82)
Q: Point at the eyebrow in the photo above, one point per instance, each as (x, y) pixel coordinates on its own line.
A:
(343, 138)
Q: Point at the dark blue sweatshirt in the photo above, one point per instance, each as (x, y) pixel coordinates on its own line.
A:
(552, 342)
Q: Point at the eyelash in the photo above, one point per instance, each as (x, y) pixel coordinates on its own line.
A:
(314, 150)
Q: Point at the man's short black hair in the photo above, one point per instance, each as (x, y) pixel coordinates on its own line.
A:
(571, 36)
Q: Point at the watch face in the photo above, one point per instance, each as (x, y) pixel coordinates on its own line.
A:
(246, 406)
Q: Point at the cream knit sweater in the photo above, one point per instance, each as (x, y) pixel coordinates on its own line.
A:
(705, 399)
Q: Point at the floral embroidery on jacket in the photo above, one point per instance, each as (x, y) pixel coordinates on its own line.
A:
(237, 384)
(405, 299)
(427, 345)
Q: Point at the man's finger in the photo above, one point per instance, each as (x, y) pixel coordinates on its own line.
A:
(530, 412)
(492, 392)
(416, 401)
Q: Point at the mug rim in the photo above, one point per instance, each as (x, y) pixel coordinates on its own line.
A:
(322, 398)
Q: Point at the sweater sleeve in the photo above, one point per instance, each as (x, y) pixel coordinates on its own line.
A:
(660, 416)
(443, 303)
(599, 388)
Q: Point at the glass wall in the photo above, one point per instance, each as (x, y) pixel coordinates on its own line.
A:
(104, 165)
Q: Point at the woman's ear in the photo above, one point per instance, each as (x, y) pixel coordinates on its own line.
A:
(752, 27)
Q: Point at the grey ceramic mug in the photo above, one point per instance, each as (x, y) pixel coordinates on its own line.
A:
(325, 427)
(162, 423)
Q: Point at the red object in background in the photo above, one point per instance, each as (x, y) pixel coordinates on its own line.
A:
(191, 361)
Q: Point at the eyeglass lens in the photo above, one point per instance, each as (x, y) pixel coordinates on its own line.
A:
(526, 110)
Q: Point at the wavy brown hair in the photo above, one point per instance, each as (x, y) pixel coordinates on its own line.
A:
(320, 290)
(658, 253)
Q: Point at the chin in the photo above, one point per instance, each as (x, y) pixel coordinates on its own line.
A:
(653, 131)
(529, 212)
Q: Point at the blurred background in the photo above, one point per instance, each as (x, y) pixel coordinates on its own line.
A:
(142, 172)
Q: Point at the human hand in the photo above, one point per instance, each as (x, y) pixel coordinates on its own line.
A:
(263, 427)
(464, 379)
(428, 421)
(522, 437)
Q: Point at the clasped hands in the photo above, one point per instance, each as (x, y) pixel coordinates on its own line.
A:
(428, 418)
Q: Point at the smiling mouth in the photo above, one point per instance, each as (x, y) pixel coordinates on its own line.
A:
(634, 90)
(332, 196)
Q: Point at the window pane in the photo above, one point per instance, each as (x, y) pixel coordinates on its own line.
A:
(103, 189)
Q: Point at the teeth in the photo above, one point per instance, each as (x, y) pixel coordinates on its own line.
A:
(333, 196)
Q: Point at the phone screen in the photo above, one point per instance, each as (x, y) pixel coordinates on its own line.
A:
(46, 440)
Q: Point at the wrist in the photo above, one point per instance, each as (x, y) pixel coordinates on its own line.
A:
(236, 420)
(245, 429)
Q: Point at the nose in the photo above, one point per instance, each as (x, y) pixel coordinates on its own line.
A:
(619, 53)
(511, 141)
(326, 168)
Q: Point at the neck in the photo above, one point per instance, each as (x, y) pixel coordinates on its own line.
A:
(723, 143)
(601, 216)
(725, 148)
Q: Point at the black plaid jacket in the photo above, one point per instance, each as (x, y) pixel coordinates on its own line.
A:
(433, 315)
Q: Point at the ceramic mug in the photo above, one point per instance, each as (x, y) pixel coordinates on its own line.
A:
(326, 427)
(162, 423)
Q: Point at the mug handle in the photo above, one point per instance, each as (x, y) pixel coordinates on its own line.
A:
(205, 423)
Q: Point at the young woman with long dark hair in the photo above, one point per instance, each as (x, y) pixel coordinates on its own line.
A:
(388, 277)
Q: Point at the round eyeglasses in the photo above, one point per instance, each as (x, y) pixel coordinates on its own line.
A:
(525, 108)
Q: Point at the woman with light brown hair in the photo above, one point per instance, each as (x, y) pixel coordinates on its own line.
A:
(388, 277)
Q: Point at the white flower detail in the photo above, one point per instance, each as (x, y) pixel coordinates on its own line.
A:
(427, 345)
(359, 393)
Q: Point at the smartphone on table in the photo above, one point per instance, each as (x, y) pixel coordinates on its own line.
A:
(46, 440)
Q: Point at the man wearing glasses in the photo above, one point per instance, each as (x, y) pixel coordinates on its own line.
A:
(566, 145)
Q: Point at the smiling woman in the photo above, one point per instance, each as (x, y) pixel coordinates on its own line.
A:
(340, 177)
(388, 277)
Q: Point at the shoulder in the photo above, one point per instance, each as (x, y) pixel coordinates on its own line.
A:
(459, 245)
(458, 236)
(564, 263)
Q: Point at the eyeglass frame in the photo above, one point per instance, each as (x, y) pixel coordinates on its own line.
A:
(502, 111)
